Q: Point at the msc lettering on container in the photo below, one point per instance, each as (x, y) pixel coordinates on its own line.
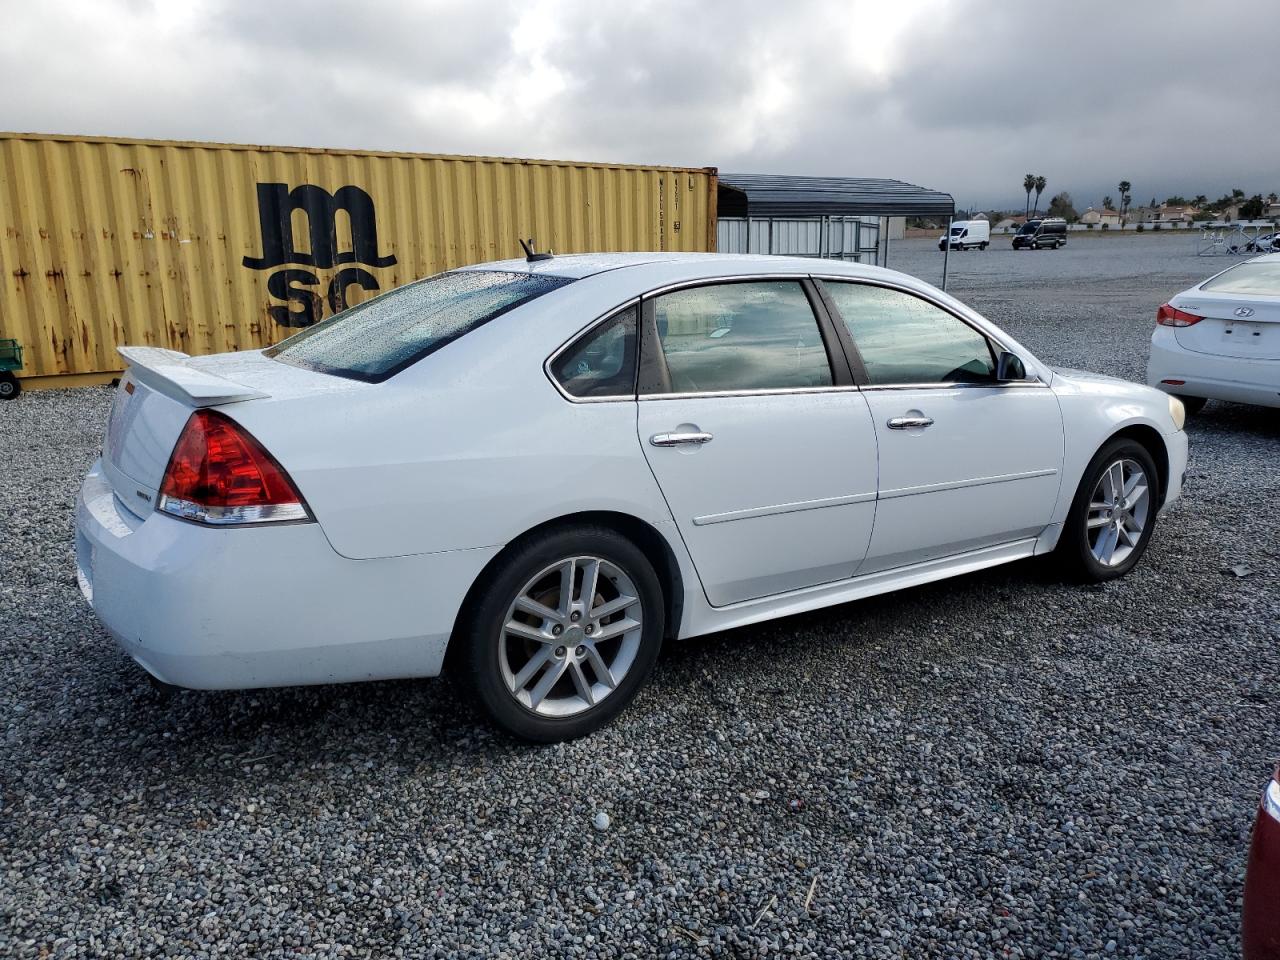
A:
(291, 281)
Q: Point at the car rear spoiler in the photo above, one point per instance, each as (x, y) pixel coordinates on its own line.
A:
(171, 373)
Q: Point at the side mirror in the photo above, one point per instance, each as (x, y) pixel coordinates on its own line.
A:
(1010, 367)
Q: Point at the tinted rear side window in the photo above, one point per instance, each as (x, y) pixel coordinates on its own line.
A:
(757, 335)
(379, 338)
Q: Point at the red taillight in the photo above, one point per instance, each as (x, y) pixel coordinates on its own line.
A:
(1168, 316)
(219, 474)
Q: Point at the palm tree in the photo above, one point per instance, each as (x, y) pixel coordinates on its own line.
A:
(1041, 183)
(1124, 187)
(1272, 198)
(1201, 201)
(1028, 184)
(1108, 203)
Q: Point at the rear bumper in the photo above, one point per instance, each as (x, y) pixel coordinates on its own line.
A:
(1238, 380)
(235, 608)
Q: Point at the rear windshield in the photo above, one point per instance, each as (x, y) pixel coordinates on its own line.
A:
(1262, 277)
(377, 339)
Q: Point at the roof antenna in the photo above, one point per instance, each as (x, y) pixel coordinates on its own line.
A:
(530, 256)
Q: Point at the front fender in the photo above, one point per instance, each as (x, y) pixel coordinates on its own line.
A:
(1095, 409)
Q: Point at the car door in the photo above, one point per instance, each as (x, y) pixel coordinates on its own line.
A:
(761, 443)
(965, 461)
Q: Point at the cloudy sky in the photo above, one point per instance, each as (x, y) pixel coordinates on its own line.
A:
(965, 96)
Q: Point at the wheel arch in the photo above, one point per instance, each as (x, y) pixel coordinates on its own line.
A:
(644, 535)
(1150, 439)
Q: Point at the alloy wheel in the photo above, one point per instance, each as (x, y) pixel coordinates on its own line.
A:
(1118, 512)
(570, 636)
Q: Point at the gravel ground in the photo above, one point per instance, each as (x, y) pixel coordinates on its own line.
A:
(996, 766)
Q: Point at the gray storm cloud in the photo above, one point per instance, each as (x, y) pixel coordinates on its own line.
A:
(964, 96)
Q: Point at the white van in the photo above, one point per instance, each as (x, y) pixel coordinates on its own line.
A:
(966, 234)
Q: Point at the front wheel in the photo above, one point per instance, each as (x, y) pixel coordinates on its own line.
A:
(9, 386)
(1113, 514)
(564, 633)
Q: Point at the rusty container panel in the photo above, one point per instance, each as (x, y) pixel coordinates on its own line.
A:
(205, 248)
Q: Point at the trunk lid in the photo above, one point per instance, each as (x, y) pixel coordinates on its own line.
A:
(157, 395)
(1224, 332)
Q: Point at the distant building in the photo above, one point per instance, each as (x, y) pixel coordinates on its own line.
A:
(1098, 217)
(1010, 223)
(1162, 215)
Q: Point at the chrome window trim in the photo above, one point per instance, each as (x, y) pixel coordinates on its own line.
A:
(934, 301)
(775, 392)
(1034, 381)
(711, 281)
(958, 384)
(587, 331)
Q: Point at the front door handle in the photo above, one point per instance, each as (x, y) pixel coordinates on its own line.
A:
(910, 423)
(678, 439)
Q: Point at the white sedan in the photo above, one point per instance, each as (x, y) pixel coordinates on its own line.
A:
(542, 469)
(1220, 340)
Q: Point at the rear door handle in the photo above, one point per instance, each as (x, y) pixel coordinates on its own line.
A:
(678, 439)
(910, 423)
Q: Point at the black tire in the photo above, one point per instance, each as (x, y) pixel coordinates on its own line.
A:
(10, 387)
(1193, 404)
(484, 638)
(982, 246)
(1074, 552)
(1035, 246)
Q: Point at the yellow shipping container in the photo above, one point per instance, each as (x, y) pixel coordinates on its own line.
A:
(205, 247)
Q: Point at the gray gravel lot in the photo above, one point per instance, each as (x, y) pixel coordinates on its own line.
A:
(995, 766)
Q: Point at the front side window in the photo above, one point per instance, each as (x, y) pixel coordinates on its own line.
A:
(380, 337)
(757, 335)
(602, 362)
(903, 339)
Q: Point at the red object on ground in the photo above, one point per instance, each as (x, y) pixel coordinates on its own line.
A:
(1261, 930)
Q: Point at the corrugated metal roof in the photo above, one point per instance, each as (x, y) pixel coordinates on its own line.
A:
(776, 195)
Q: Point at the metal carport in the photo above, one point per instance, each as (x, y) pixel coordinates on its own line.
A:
(770, 196)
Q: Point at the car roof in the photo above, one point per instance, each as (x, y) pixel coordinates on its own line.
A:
(580, 266)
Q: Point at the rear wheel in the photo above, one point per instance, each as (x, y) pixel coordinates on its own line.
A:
(1113, 514)
(1193, 404)
(565, 633)
(9, 386)
(982, 246)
